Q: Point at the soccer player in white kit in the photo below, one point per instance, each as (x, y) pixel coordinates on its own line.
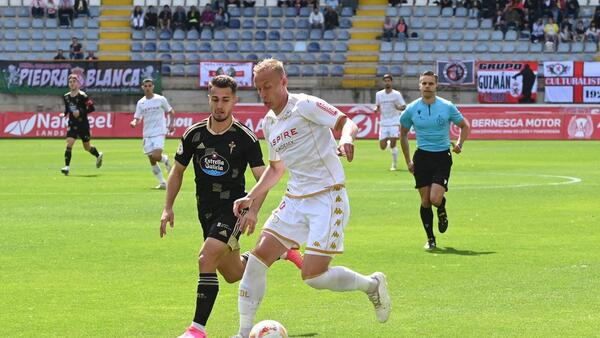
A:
(315, 208)
(389, 103)
(152, 109)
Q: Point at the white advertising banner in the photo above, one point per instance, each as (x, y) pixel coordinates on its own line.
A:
(240, 71)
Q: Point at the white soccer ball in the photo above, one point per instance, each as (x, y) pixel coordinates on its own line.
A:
(268, 329)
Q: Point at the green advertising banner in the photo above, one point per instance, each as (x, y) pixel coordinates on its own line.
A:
(97, 77)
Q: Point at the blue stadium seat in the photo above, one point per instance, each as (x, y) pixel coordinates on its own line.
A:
(262, 12)
(287, 35)
(235, 35)
(497, 36)
(428, 36)
(448, 12)
(10, 35)
(412, 47)
(417, 23)
(93, 23)
(272, 47)
(495, 48)
(386, 47)
(249, 12)
(431, 24)
(178, 34)
(136, 57)
(166, 57)
(286, 47)
(234, 12)
(236, 57)
(78, 23)
(343, 35)
(191, 47)
(274, 35)
(245, 47)
(313, 47)
(178, 58)
(563, 48)
(248, 24)
(433, 11)
(234, 24)
(150, 47)
(80, 35)
(192, 34)
(23, 11)
(24, 35)
(338, 58)
(327, 47)
(23, 47)
(192, 70)
(486, 24)
(440, 48)
(472, 24)
(322, 70)
(252, 57)
(308, 70)
(50, 46)
(206, 34)
(178, 70)
(10, 46)
(300, 46)
(337, 70)
(260, 35)
(293, 70)
(259, 47)
(345, 23)
(37, 35)
(535, 48)
(137, 35)
(246, 36)
(329, 35)
(232, 47)
(10, 23)
(136, 47)
(290, 12)
(508, 48)
(8, 11)
(405, 11)
(165, 70)
(470, 36)
(391, 11)
(324, 58)
(341, 47)
(37, 23)
(467, 47)
(92, 34)
(302, 23)
(262, 23)
(483, 35)
(396, 70)
(400, 47)
(275, 23)
(301, 35)
(315, 34)
(150, 35)
(347, 12)
(385, 57)
(511, 35)
(459, 23)
(164, 46)
(289, 23)
(94, 11)
(177, 47)
(305, 12)
(523, 48)
(204, 47)
(590, 47)
(276, 12)
(220, 36)
(165, 34)
(460, 12)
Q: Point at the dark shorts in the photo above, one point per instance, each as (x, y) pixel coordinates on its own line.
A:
(82, 132)
(432, 167)
(221, 224)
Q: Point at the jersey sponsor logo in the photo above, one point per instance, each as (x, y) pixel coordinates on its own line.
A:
(284, 135)
(327, 108)
(214, 164)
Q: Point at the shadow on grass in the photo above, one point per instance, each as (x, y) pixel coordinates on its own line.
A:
(90, 175)
(452, 251)
(304, 335)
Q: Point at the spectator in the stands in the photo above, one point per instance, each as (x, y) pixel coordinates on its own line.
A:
(565, 34)
(81, 7)
(551, 31)
(51, 9)
(332, 19)
(164, 18)
(316, 19)
(59, 55)
(579, 34)
(221, 19)
(65, 12)
(499, 22)
(299, 4)
(389, 28)
(137, 18)
(151, 18)
(537, 31)
(591, 34)
(179, 18)
(572, 8)
(472, 8)
(487, 9)
(249, 3)
(193, 18)
(235, 3)
(75, 50)
(284, 3)
(91, 56)
(401, 29)
(445, 3)
(332, 3)
(550, 9)
(37, 8)
(596, 18)
(207, 18)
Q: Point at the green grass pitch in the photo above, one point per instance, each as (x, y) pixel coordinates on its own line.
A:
(80, 256)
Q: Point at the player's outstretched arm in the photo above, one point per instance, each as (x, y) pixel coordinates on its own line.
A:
(250, 218)
(406, 149)
(173, 185)
(269, 178)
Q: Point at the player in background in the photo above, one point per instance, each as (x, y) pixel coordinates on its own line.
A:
(315, 208)
(430, 116)
(389, 103)
(152, 109)
(77, 107)
(221, 149)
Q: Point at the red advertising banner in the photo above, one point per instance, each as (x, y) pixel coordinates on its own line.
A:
(501, 122)
(507, 81)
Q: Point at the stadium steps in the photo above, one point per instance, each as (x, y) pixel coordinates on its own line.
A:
(115, 31)
(363, 47)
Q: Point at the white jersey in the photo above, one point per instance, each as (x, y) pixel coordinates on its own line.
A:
(301, 137)
(390, 116)
(152, 111)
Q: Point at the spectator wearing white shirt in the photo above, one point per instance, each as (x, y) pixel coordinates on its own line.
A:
(37, 8)
(316, 19)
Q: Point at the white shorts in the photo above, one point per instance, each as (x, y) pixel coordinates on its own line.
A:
(153, 143)
(318, 221)
(389, 132)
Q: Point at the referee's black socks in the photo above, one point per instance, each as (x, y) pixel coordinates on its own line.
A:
(94, 151)
(68, 156)
(427, 219)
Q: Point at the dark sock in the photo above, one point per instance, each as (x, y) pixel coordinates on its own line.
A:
(427, 219)
(208, 288)
(442, 205)
(68, 156)
(94, 151)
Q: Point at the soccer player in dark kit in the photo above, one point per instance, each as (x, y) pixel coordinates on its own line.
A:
(220, 148)
(77, 107)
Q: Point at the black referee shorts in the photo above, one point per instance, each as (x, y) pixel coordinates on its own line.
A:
(432, 167)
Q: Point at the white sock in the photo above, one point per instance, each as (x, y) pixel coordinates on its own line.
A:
(252, 291)
(164, 158)
(339, 278)
(158, 174)
(395, 155)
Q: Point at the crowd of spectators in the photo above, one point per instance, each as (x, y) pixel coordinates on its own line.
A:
(64, 10)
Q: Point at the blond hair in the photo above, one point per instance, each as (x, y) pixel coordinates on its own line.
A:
(269, 64)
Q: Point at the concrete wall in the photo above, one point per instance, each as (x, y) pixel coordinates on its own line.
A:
(184, 95)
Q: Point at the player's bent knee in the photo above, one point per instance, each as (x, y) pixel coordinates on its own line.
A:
(319, 282)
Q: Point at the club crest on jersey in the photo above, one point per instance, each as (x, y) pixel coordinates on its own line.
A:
(214, 164)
